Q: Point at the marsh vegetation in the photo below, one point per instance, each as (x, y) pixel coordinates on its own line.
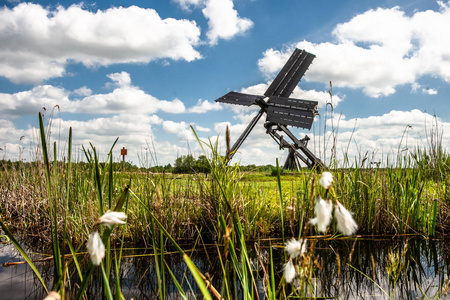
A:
(237, 220)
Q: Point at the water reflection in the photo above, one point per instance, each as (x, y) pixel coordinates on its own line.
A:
(381, 269)
(346, 269)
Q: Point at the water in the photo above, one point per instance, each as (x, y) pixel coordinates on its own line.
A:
(344, 269)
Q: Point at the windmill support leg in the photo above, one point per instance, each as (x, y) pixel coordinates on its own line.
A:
(244, 135)
(291, 161)
(314, 161)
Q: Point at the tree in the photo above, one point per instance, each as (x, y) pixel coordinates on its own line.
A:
(202, 164)
(184, 164)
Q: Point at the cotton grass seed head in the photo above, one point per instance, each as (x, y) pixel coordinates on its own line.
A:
(322, 211)
(326, 179)
(289, 271)
(53, 296)
(344, 220)
(112, 218)
(295, 248)
(95, 248)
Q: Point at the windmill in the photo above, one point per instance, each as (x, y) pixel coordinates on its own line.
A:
(282, 111)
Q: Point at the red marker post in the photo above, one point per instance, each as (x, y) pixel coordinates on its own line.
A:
(123, 152)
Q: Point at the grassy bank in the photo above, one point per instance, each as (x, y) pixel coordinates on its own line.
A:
(408, 199)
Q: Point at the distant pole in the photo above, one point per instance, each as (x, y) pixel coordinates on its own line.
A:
(123, 152)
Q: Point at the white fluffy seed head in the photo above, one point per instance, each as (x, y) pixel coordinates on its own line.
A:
(295, 248)
(53, 296)
(323, 215)
(113, 218)
(289, 271)
(344, 220)
(326, 179)
(95, 248)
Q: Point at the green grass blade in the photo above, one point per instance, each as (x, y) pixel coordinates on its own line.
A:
(163, 276)
(271, 283)
(111, 181)
(53, 206)
(106, 286)
(44, 150)
(281, 200)
(198, 278)
(98, 182)
(433, 218)
(117, 291)
(155, 252)
(123, 197)
(177, 284)
(85, 282)
(74, 257)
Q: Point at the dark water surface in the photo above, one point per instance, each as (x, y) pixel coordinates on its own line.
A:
(346, 269)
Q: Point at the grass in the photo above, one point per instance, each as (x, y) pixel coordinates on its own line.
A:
(59, 201)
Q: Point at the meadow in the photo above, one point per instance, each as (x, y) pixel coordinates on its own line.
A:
(59, 203)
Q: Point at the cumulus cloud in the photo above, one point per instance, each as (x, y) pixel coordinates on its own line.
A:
(429, 91)
(120, 79)
(224, 21)
(101, 132)
(38, 43)
(204, 106)
(377, 56)
(124, 99)
(126, 112)
(388, 134)
(202, 129)
(83, 91)
(425, 90)
(181, 129)
(187, 4)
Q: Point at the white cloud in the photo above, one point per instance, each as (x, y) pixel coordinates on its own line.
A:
(377, 56)
(414, 87)
(32, 101)
(202, 129)
(187, 4)
(205, 106)
(425, 90)
(38, 43)
(120, 79)
(224, 21)
(429, 91)
(83, 91)
(133, 118)
(387, 134)
(124, 99)
(181, 129)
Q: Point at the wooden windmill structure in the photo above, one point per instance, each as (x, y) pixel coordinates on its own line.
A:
(282, 111)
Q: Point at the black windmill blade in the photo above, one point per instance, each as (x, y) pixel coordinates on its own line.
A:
(239, 99)
(282, 111)
(290, 75)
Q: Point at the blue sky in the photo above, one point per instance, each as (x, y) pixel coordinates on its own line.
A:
(145, 71)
